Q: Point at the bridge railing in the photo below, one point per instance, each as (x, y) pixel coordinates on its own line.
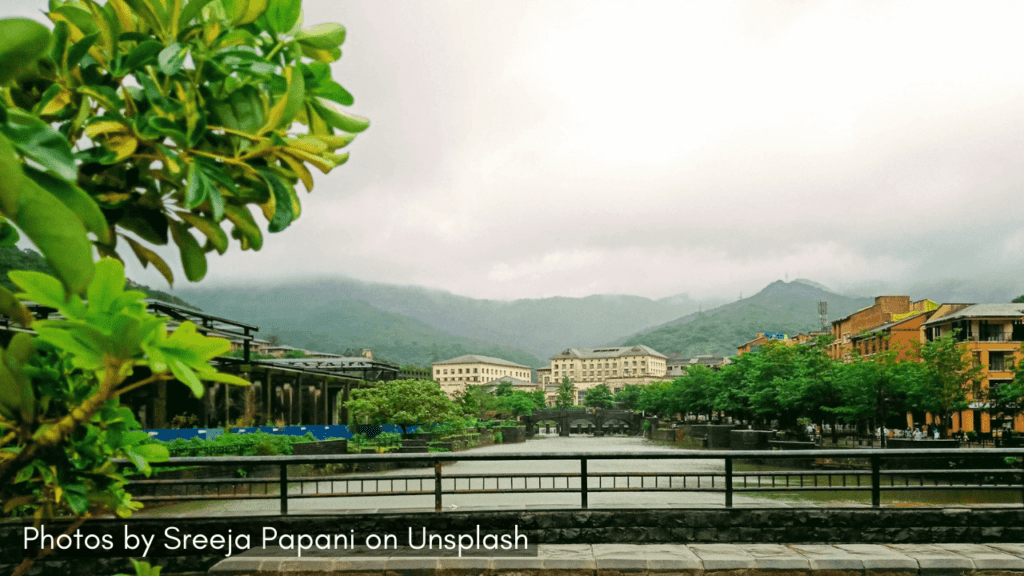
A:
(791, 471)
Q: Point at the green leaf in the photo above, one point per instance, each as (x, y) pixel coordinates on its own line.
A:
(8, 234)
(22, 43)
(11, 307)
(283, 14)
(79, 504)
(196, 187)
(143, 54)
(224, 378)
(186, 376)
(322, 36)
(22, 348)
(172, 58)
(191, 10)
(106, 286)
(139, 460)
(338, 119)
(147, 257)
(51, 226)
(211, 229)
(193, 259)
(150, 224)
(283, 215)
(38, 141)
(79, 49)
(83, 355)
(76, 200)
(331, 90)
(245, 226)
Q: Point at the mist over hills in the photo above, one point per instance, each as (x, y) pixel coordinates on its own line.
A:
(414, 325)
(788, 307)
(410, 324)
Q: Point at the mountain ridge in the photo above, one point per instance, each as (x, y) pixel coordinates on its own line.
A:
(788, 307)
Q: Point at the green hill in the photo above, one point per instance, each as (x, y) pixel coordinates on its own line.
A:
(541, 327)
(322, 322)
(790, 308)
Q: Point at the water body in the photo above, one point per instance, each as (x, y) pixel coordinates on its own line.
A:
(532, 499)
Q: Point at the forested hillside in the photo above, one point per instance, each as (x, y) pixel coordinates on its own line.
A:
(781, 307)
(541, 327)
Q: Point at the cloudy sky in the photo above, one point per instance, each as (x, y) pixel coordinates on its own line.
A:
(522, 149)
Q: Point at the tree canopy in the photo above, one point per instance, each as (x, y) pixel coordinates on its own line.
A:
(402, 402)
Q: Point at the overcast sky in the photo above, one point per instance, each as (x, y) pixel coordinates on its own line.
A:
(522, 149)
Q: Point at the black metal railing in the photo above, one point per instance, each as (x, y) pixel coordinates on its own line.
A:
(874, 471)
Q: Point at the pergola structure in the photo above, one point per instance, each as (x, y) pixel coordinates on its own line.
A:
(283, 391)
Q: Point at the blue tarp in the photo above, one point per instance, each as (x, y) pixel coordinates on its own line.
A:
(318, 432)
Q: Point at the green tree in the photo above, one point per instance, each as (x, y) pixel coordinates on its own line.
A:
(600, 396)
(477, 401)
(629, 397)
(566, 394)
(519, 402)
(540, 399)
(504, 388)
(1018, 299)
(402, 402)
(951, 378)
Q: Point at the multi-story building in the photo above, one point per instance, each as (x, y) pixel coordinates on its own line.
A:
(886, 309)
(615, 367)
(544, 378)
(456, 374)
(993, 334)
(676, 364)
(763, 338)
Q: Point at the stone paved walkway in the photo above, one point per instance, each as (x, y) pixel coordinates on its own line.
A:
(614, 559)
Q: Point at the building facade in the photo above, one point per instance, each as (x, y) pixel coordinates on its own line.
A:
(615, 367)
(993, 335)
(886, 309)
(456, 374)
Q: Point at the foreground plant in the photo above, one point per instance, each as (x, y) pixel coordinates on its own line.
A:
(139, 123)
(60, 418)
(144, 122)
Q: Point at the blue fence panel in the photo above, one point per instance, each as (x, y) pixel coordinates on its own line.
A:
(318, 432)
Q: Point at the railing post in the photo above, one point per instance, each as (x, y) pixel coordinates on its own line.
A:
(583, 483)
(876, 482)
(728, 482)
(284, 489)
(437, 486)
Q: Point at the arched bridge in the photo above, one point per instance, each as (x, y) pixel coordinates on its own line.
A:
(563, 418)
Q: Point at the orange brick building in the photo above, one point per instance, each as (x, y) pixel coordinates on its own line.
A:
(993, 334)
(885, 310)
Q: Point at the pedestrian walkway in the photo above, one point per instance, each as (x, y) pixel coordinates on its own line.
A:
(612, 559)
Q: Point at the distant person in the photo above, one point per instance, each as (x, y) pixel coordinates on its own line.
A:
(917, 434)
(936, 433)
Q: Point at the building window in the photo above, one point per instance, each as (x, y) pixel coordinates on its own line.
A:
(999, 360)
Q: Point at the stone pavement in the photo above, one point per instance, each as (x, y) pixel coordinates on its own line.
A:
(619, 559)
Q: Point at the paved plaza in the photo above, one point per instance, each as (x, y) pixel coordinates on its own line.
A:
(612, 559)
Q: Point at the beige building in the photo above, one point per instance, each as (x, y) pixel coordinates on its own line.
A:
(616, 367)
(472, 370)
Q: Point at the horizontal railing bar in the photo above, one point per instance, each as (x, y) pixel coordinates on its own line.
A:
(666, 455)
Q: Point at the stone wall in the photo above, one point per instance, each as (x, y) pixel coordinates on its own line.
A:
(325, 447)
(751, 525)
(750, 439)
(510, 435)
(719, 436)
